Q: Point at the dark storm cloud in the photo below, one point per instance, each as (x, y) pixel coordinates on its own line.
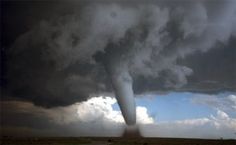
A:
(63, 56)
(25, 119)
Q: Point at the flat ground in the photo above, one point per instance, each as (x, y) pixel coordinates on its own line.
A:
(111, 141)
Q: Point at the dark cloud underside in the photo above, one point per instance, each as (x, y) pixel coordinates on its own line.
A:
(58, 53)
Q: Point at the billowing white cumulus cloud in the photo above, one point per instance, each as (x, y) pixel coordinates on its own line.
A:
(143, 116)
(95, 110)
(98, 108)
(222, 105)
(217, 126)
(223, 120)
(220, 121)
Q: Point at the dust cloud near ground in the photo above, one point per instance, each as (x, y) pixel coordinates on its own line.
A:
(132, 132)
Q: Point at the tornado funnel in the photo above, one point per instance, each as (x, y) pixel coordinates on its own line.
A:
(122, 85)
(121, 82)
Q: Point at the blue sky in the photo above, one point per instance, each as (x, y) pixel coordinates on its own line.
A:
(178, 106)
(184, 115)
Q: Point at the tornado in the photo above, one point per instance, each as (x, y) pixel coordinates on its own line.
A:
(122, 85)
(121, 80)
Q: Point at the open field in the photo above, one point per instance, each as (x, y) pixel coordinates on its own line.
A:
(112, 141)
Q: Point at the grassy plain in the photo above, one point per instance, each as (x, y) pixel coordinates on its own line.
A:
(111, 141)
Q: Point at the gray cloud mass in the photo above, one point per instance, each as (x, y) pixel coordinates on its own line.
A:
(164, 46)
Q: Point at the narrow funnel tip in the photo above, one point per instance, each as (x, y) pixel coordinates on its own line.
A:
(130, 120)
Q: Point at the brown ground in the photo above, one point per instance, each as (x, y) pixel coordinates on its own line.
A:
(112, 141)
